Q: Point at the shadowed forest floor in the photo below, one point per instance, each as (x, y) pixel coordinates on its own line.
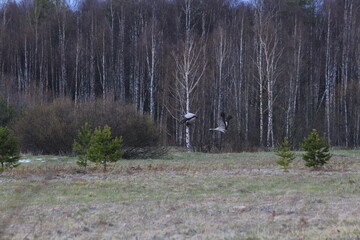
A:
(185, 196)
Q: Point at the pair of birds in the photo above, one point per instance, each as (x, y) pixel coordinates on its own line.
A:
(223, 121)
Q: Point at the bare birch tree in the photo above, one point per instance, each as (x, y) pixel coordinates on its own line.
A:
(346, 38)
(120, 60)
(330, 76)
(268, 57)
(62, 39)
(189, 68)
(294, 83)
(152, 59)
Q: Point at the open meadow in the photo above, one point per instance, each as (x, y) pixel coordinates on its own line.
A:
(183, 196)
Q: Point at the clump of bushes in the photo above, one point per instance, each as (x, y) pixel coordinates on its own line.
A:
(52, 128)
(7, 112)
(317, 150)
(48, 128)
(142, 138)
(9, 149)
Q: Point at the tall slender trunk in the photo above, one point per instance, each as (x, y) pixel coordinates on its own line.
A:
(261, 88)
(104, 71)
(294, 82)
(187, 69)
(151, 63)
(77, 56)
(112, 52)
(327, 78)
(42, 75)
(239, 80)
(63, 78)
(345, 65)
(120, 89)
(270, 101)
(92, 60)
(26, 69)
(187, 128)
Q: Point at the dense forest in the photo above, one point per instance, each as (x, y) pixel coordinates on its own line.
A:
(280, 67)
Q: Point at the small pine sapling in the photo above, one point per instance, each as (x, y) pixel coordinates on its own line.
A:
(9, 149)
(317, 150)
(283, 151)
(82, 144)
(104, 148)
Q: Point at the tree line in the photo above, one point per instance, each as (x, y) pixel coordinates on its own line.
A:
(280, 67)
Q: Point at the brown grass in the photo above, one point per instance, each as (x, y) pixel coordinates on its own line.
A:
(189, 196)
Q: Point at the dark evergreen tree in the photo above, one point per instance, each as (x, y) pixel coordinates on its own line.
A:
(283, 151)
(9, 149)
(103, 147)
(317, 150)
(82, 144)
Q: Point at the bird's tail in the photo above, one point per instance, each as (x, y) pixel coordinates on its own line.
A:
(183, 121)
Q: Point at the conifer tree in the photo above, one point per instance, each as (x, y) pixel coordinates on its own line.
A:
(283, 151)
(9, 149)
(82, 144)
(317, 150)
(104, 148)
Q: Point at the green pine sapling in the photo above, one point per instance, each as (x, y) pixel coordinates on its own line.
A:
(283, 151)
(9, 149)
(82, 144)
(317, 150)
(104, 148)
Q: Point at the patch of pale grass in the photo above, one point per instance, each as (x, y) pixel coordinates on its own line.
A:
(188, 196)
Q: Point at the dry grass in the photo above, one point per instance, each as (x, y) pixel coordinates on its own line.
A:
(188, 196)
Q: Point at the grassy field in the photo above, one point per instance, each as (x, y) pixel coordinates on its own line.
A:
(185, 196)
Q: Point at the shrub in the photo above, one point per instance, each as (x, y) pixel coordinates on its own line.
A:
(283, 151)
(140, 131)
(47, 129)
(82, 144)
(9, 149)
(317, 150)
(103, 147)
(141, 138)
(52, 128)
(7, 112)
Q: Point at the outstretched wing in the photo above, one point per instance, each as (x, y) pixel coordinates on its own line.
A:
(183, 120)
(188, 118)
(222, 116)
(227, 121)
(189, 115)
(221, 121)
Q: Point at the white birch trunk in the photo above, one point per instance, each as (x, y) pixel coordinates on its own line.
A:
(121, 67)
(190, 69)
(77, 56)
(259, 65)
(92, 60)
(345, 65)
(103, 75)
(239, 81)
(327, 77)
(63, 81)
(261, 88)
(294, 82)
(26, 69)
(151, 67)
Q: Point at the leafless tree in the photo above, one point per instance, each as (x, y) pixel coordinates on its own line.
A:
(189, 67)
